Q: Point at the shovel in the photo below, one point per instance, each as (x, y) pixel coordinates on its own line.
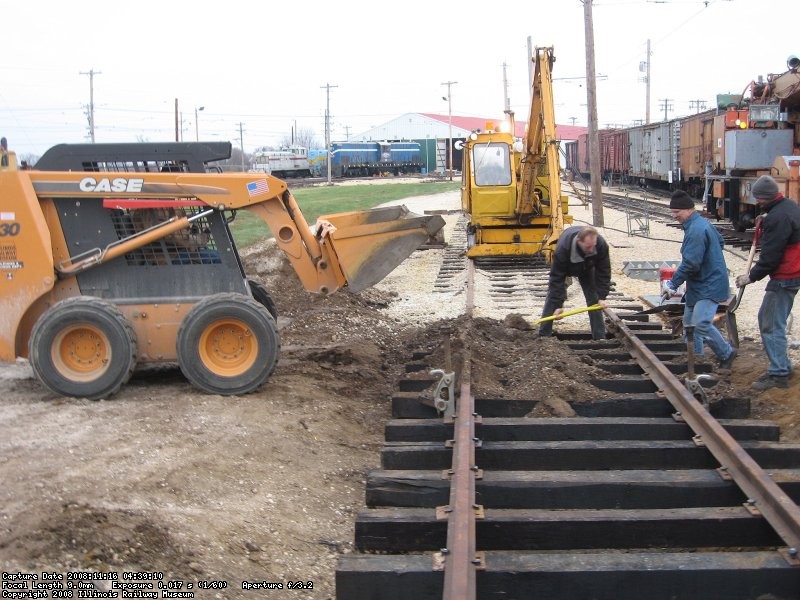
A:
(730, 314)
(568, 313)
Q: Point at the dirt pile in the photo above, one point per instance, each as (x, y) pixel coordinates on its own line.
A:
(511, 363)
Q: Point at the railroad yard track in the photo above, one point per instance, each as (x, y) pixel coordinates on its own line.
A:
(642, 209)
(646, 492)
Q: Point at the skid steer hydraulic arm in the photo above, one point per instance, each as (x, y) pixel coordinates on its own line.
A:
(356, 249)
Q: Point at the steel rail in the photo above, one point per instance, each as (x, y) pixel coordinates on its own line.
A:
(764, 495)
(460, 559)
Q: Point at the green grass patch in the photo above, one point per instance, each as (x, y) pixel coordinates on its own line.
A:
(248, 228)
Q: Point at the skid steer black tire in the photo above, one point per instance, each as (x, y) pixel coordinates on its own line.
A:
(83, 347)
(228, 344)
(263, 297)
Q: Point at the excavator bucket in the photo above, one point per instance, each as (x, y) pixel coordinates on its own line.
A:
(370, 244)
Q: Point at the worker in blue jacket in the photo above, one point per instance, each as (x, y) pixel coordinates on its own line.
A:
(706, 275)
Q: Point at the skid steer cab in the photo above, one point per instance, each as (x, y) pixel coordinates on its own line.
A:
(112, 255)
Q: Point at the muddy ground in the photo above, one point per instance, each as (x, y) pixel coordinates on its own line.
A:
(263, 487)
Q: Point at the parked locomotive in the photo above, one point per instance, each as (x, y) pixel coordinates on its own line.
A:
(715, 155)
(360, 159)
(289, 161)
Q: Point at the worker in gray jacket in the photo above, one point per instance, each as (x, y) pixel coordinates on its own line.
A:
(780, 259)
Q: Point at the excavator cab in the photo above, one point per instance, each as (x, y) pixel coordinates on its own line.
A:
(511, 189)
(122, 254)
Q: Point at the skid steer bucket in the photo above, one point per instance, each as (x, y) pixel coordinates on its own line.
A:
(370, 244)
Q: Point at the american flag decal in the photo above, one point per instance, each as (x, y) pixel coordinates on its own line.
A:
(257, 187)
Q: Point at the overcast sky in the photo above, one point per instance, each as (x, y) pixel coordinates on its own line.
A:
(264, 64)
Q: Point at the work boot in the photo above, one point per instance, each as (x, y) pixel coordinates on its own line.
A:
(728, 362)
(766, 382)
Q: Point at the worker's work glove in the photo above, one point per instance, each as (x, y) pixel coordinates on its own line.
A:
(743, 280)
(669, 289)
(557, 313)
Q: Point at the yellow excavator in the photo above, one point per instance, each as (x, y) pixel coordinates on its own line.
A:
(113, 255)
(511, 190)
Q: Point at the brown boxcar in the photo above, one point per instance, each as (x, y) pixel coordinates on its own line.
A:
(696, 150)
(614, 153)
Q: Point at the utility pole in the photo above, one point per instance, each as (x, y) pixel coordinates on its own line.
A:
(591, 101)
(347, 133)
(666, 106)
(241, 142)
(530, 70)
(177, 121)
(196, 125)
(91, 73)
(647, 86)
(450, 124)
(699, 104)
(328, 87)
(573, 119)
(506, 100)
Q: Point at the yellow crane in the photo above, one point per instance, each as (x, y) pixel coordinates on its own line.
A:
(511, 190)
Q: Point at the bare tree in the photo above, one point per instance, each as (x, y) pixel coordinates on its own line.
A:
(29, 158)
(302, 137)
(234, 163)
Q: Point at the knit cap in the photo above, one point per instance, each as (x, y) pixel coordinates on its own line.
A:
(765, 188)
(681, 200)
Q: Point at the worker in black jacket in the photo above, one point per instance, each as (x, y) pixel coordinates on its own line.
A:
(780, 259)
(581, 253)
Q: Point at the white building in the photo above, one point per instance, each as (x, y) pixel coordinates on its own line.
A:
(433, 131)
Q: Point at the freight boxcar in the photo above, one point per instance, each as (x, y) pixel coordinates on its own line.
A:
(578, 156)
(571, 157)
(697, 150)
(614, 155)
(654, 153)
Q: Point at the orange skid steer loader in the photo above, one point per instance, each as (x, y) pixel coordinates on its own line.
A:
(118, 254)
